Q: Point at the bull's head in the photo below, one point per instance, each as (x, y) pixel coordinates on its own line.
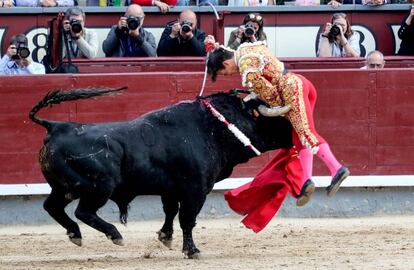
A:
(271, 132)
(265, 133)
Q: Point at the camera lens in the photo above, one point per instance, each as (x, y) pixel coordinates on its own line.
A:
(133, 22)
(335, 30)
(76, 26)
(23, 52)
(186, 26)
(249, 30)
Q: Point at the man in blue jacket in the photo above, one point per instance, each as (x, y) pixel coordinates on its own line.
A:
(128, 38)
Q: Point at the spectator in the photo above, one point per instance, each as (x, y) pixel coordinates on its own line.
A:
(83, 42)
(374, 60)
(374, 2)
(337, 3)
(182, 37)
(163, 5)
(205, 2)
(406, 34)
(16, 60)
(251, 3)
(44, 3)
(6, 3)
(307, 2)
(253, 22)
(338, 38)
(258, 3)
(128, 38)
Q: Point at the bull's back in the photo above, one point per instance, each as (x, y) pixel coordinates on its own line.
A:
(170, 147)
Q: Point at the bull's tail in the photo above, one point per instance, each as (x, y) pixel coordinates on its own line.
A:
(123, 213)
(58, 96)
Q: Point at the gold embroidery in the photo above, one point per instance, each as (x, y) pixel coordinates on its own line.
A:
(293, 95)
(263, 74)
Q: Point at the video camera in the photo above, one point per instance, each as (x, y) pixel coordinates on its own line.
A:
(22, 51)
(76, 26)
(186, 26)
(249, 30)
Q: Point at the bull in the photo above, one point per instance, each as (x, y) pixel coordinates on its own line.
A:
(178, 152)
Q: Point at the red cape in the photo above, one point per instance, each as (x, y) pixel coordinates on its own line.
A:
(261, 198)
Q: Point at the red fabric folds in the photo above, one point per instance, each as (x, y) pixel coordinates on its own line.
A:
(260, 199)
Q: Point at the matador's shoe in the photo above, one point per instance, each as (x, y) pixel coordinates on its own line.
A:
(305, 193)
(337, 180)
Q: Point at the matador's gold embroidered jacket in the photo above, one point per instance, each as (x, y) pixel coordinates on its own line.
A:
(263, 74)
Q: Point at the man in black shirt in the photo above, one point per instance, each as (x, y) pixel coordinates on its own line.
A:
(182, 37)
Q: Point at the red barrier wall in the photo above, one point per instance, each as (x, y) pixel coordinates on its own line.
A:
(367, 116)
(159, 64)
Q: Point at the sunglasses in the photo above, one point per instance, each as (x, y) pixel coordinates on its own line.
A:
(255, 18)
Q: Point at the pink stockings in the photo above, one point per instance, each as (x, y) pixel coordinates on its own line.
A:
(325, 154)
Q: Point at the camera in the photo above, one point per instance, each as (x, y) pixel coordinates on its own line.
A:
(76, 26)
(22, 51)
(186, 26)
(133, 22)
(249, 30)
(335, 31)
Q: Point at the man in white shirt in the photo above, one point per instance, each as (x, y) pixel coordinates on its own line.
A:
(83, 42)
(16, 61)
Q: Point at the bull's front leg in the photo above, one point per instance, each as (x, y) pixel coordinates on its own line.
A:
(189, 209)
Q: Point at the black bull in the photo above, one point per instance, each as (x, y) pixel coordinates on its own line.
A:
(178, 152)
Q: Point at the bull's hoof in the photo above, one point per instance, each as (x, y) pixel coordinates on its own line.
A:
(117, 241)
(192, 254)
(165, 239)
(74, 238)
(76, 241)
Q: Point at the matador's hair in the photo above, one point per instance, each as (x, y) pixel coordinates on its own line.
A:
(215, 61)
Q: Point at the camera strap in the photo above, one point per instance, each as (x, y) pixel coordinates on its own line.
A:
(74, 48)
(66, 40)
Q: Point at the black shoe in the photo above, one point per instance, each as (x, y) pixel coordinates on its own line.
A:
(337, 180)
(305, 193)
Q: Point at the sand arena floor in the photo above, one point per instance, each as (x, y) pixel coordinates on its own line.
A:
(355, 243)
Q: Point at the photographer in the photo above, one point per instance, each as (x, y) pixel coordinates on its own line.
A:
(250, 31)
(128, 38)
(338, 39)
(16, 60)
(45, 3)
(182, 37)
(83, 42)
